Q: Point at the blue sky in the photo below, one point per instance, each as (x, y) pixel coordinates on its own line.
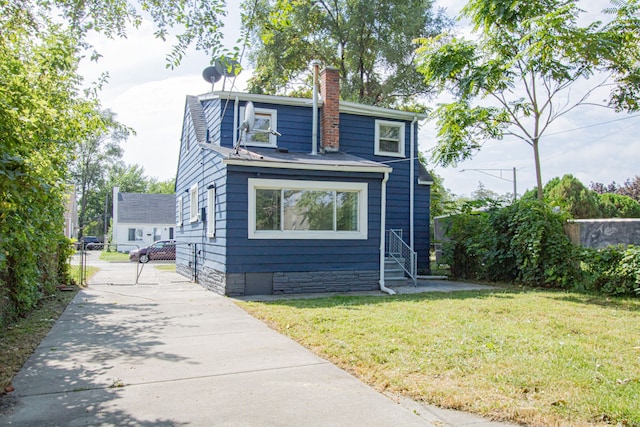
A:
(592, 143)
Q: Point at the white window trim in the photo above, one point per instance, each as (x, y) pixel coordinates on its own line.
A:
(273, 139)
(180, 205)
(360, 187)
(378, 151)
(194, 215)
(211, 212)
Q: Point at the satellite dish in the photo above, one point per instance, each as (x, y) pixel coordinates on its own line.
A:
(249, 117)
(247, 124)
(228, 67)
(211, 74)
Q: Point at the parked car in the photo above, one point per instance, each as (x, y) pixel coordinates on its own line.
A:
(89, 243)
(160, 250)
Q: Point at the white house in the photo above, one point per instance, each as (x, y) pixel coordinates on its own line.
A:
(141, 219)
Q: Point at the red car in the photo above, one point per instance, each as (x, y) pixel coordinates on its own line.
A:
(160, 250)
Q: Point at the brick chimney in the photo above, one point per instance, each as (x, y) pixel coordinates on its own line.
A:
(330, 112)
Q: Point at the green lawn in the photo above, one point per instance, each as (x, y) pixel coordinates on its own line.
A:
(166, 267)
(535, 357)
(113, 256)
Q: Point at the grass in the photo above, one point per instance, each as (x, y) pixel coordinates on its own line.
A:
(19, 339)
(113, 256)
(166, 267)
(532, 357)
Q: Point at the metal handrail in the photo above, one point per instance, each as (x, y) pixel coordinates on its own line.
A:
(402, 253)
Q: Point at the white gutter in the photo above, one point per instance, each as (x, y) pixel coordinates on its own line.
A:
(314, 123)
(412, 186)
(383, 215)
(257, 162)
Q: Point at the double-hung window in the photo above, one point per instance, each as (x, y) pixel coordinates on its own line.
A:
(389, 138)
(135, 234)
(289, 209)
(179, 208)
(211, 212)
(260, 136)
(193, 203)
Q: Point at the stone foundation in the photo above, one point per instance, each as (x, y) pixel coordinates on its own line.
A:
(279, 283)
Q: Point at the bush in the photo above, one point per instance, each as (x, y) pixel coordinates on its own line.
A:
(523, 243)
(614, 270)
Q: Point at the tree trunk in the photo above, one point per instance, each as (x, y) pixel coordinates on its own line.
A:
(536, 156)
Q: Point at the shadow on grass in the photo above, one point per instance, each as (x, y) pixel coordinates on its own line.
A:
(354, 300)
(618, 303)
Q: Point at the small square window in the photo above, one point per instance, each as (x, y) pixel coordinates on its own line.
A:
(389, 138)
(260, 136)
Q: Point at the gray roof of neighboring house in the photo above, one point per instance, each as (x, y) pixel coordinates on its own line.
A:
(141, 208)
(424, 174)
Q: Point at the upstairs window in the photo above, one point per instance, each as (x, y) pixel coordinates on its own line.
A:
(260, 135)
(389, 138)
(288, 209)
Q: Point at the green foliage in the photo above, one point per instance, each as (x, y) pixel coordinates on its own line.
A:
(630, 188)
(614, 270)
(195, 24)
(515, 76)
(45, 113)
(618, 206)
(572, 197)
(369, 42)
(523, 243)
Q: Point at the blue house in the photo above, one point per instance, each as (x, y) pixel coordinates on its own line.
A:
(317, 197)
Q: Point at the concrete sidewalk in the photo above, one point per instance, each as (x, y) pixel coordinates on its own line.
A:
(174, 354)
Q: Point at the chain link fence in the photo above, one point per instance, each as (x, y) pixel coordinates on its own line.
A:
(123, 264)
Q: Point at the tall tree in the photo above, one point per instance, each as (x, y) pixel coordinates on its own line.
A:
(94, 157)
(162, 187)
(516, 77)
(370, 42)
(572, 197)
(45, 113)
(630, 188)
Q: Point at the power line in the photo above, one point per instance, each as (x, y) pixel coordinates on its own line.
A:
(593, 125)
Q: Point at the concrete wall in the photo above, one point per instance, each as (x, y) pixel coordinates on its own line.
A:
(600, 233)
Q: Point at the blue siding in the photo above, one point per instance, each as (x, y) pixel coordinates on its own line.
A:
(357, 137)
(212, 111)
(232, 252)
(294, 123)
(265, 255)
(203, 166)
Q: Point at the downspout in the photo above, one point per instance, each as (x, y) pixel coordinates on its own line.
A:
(235, 121)
(314, 124)
(412, 185)
(383, 216)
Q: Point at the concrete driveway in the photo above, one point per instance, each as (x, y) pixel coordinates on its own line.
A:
(174, 354)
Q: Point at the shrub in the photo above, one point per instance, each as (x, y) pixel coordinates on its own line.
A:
(614, 270)
(524, 243)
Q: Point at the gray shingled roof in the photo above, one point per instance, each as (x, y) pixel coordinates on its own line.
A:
(146, 208)
(197, 117)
